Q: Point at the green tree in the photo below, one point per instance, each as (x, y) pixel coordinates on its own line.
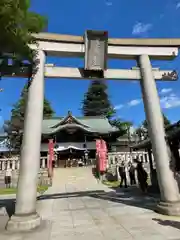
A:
(96, 103)
(14, 126)
(17, 23)
(142, 131)
(124, 126)
(166, 122)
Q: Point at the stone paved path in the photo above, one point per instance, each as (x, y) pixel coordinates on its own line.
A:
(78, 207)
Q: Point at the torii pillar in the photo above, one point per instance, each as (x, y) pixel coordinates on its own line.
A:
(170, 198)
(26, 217)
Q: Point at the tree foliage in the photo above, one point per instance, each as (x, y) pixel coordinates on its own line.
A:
(96, 103)
(142, 131)
(17, 23)
(14, 126)
(123, 126)
(166, 122)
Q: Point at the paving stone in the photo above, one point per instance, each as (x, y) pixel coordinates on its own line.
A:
(115, 233)
(95, 235)
(66, 231)
(172, 232)
(76, 210)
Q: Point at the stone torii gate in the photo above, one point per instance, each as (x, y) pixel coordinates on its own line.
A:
(95, 48)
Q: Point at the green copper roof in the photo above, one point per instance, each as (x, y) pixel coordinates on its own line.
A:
(88, 124)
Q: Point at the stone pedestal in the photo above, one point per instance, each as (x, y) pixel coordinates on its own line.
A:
(168, 208)
(23, 223)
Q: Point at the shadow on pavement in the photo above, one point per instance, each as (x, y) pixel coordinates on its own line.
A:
(170, 223)
(69, 195)
(130, 196)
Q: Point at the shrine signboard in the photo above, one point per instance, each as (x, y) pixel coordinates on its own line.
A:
(96, 47)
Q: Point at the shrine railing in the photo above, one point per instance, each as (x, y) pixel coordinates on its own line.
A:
(114, 157)
(14, 163)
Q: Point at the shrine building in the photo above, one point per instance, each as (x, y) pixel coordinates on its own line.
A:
(73, 136)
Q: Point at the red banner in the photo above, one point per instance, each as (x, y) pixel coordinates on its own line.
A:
(98, 145)
(103, 145)
(51, 155)
(101, 151)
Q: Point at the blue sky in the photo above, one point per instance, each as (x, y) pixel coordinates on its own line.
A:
(121, 18)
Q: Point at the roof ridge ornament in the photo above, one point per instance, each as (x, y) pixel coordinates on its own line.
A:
(69, 118)
(69, 113)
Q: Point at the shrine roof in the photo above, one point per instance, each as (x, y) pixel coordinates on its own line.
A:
(88, 124)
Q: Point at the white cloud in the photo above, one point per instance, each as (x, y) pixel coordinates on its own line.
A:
(131, 103)
(165, 90)
(117, 107)
(172, 95)
(170, 101)
(139, 28)
(134, 102)
(167, 101)
(178, 5)
(108, 3)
